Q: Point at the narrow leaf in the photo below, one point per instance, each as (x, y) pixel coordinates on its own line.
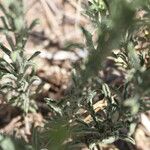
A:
(5, 50)
(33, 24)
(4, 22)
(34, 55)
(10, 41)
(89, 41)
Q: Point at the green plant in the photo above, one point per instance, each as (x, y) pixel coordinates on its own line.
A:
(17, 71)
(94, 112)
(117, 28)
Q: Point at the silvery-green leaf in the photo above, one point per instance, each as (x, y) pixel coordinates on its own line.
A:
(10, 76)
(2, 61)
(106, 90)
(54, 106)
(4, 70)
(34, 79)
(90, 97)
(26, 103)
(110, 140)
(127, 138)
(7, 86)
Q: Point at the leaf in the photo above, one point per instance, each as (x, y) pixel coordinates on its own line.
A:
(71, 45)
(106, 90)
(127, 138)
(14, 55)
(33, 79)
(92, 146)
(54, 106)
(4, 70)
(7, 86)
(34, 55)
(2, 8)
(89, 41)
(134, 59)
(32, 65)
(4, 22)
(33, 24)
(4, 62)
(26, 103)
(10, 41)
(10, 76)
(90, 97)
(110, 140)
(5, 50)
